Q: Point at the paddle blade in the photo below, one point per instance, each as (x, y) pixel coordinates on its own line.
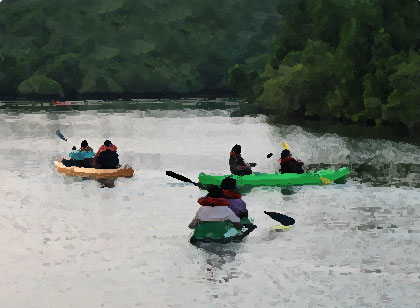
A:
(281, 228)
(59, 134)
(285, 145)
(269, 155)
(283, 219)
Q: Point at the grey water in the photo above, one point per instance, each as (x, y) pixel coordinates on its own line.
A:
(70, 242)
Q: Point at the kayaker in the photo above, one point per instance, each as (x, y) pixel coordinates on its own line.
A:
(236, 204)
(80, 158)
(107, 157)
(288, 164)
(107, 146)
(84, 147)
(73, 161)
(73, 152)
(237, 164)
(87, 155)
(214, 207)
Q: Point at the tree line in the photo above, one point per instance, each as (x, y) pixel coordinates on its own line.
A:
(130, 46)
(352, 61)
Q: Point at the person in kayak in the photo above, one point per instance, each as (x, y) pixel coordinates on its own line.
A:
(84, 147)
(74, 159)
(87, 155)
(107, 146)
(80, 158)
(236, 204)
(214, 207)
(288, 164)
(107, 157)
(237, 164)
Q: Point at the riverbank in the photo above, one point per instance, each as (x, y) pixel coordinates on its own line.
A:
(106, 96)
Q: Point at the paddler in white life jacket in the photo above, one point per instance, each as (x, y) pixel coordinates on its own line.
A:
(214, 207)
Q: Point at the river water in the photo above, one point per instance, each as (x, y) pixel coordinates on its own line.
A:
(68, 242)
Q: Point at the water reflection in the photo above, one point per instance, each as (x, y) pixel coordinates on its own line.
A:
(216, 258)
(108, 182)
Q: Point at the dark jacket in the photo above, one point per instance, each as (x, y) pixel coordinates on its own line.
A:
(107, 160)
(236, 204)
(291, 165)
(237, 162)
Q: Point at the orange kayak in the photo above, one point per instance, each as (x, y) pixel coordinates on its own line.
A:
(126, 171)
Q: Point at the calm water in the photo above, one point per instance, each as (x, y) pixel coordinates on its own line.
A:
(67, 242)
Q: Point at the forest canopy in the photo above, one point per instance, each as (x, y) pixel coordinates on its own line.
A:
(116, 46)
(354, 61)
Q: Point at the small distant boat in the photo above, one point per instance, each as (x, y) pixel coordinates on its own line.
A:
(58, 103)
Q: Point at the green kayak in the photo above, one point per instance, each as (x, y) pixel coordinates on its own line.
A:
(220, 232)
(320, 177)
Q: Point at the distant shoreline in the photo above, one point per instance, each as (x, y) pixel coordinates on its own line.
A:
(211, 94)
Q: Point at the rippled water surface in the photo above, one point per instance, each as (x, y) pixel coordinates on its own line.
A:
(68, 242)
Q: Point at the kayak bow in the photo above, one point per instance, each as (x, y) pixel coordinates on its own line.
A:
(221, 231)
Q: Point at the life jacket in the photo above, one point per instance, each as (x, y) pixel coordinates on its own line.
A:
(231, 194)
(208, 201)
(104, 148)
(290, 165)
(237, 158)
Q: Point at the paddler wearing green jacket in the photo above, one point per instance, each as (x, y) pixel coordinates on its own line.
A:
(214, 207)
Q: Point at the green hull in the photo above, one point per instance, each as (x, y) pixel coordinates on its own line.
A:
(220, 232)
(278, 179)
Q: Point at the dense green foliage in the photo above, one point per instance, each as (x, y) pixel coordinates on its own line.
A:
(99, 46)
(347, 60)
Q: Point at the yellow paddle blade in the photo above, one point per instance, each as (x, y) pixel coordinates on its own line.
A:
(325, 180)
(281, 228)
(285, 145)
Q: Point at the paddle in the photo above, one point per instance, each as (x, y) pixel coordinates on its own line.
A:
(285, 146)
(59, 134)
(283, 219)
(182, 178)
